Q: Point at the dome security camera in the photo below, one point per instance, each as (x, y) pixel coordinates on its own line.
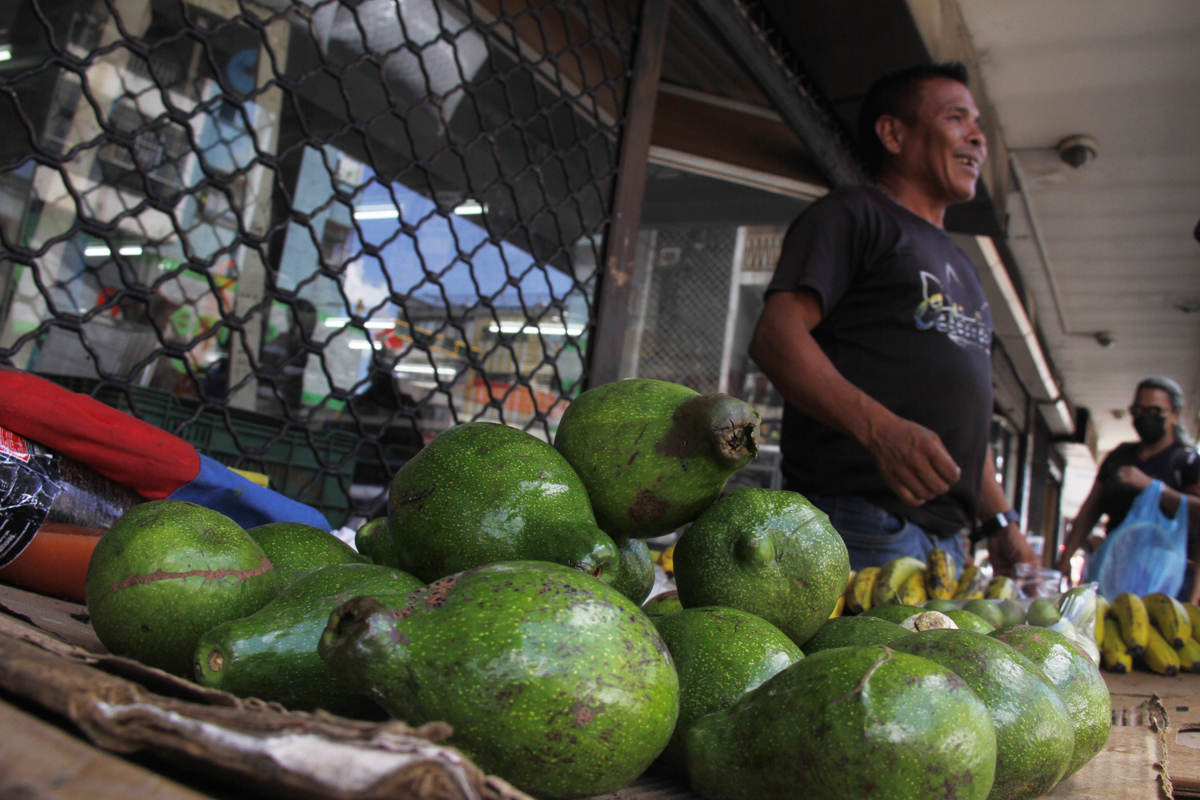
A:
(1106, 338)
(1078, 150)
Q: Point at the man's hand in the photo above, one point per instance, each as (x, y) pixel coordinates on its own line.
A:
(1134, 477)
(1007, 548)
(912, 459)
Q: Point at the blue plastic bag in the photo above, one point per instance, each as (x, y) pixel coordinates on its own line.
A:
(1147, 553)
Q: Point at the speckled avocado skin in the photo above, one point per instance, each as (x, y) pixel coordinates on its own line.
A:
(653, 454)
(272, 653)
(854, 722)
(768, 552)
(853, 632)
(720, 654)
(1034, 734)
(296, 549)
(481, 493)
(635, 570)
(551, 679)
(1079, 683)
(373, 539)
(166, 572)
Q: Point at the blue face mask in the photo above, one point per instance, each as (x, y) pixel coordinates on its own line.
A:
(1150, 428)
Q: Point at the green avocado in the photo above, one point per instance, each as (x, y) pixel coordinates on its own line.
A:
(662, 604)
(986, 610)
(768, 552)
(854, 722)
(720, 654)
(1012, 611)
(296, 549)
(550, 679)
(1043, 613)
(272, 654)
(373, 539)
(481, 493)
(939, 605)
(853, 632)
(653, 454)
(1034, 733)
(166, 572)
(966, 621)
(1078, 681)
(894, 614)
(634, 576)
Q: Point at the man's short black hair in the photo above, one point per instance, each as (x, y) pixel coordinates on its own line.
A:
(897, 95)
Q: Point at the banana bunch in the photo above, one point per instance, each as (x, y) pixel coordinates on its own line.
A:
(971, 584)
(1116, 657)
(1159, 656)
(858, 593)
(900, 581)
(1169, 617)
(1001, 588)
(1132, 620)
(941, 582)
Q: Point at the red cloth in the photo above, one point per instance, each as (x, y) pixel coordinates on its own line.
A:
(139, 455)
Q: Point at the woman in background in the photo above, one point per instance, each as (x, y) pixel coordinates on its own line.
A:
(1163, 451)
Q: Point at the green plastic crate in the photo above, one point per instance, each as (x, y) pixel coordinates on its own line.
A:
(285, 456)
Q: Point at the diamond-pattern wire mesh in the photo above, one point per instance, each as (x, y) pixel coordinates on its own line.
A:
(683, 331)
(309, 234)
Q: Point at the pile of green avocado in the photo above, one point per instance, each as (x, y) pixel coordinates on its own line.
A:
(506, 595)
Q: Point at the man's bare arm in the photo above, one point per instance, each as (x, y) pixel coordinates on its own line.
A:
(911, 458)
(1007, 547)
(1086, 519)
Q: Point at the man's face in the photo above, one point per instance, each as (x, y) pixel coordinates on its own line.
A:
(944, 148)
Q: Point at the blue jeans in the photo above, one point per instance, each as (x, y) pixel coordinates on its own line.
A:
(874, 537)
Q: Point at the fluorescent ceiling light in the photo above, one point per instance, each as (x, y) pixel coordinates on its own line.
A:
(470, 209)
(5, 52)
(376, 324)
(547, 329)
(102, 251)
(425, 369)
(386, 211)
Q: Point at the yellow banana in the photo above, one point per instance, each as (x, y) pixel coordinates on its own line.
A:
(1001, 588)
(858, 595)
(971, 584)
(1194, 616)
(1113, 652)
(838, 607)
(912, 591)
(1189, 656)
(940, 580)
(667, 559)
(1159, 656)
(1133, 621)
(891, 577)
(1168, 615)
(1101, 615)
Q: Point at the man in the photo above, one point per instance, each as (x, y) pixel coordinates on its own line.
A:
(877, 333)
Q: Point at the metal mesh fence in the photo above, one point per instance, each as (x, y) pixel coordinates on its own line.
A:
(308, 236)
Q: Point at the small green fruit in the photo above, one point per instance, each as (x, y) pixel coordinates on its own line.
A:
(166, 572)
(296, 549)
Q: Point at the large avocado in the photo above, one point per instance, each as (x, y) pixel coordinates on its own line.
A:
(853, 632)
(551, 679)
(481, 493)
(720, 654)
(272, 654)
(768, 552)
(854, 722)
(1078, 681)
(653, 454)
(166, 572)
(1034, 733)
(296, 549)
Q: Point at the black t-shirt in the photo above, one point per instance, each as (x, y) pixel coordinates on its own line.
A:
(905, 320)
(1177, 466)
